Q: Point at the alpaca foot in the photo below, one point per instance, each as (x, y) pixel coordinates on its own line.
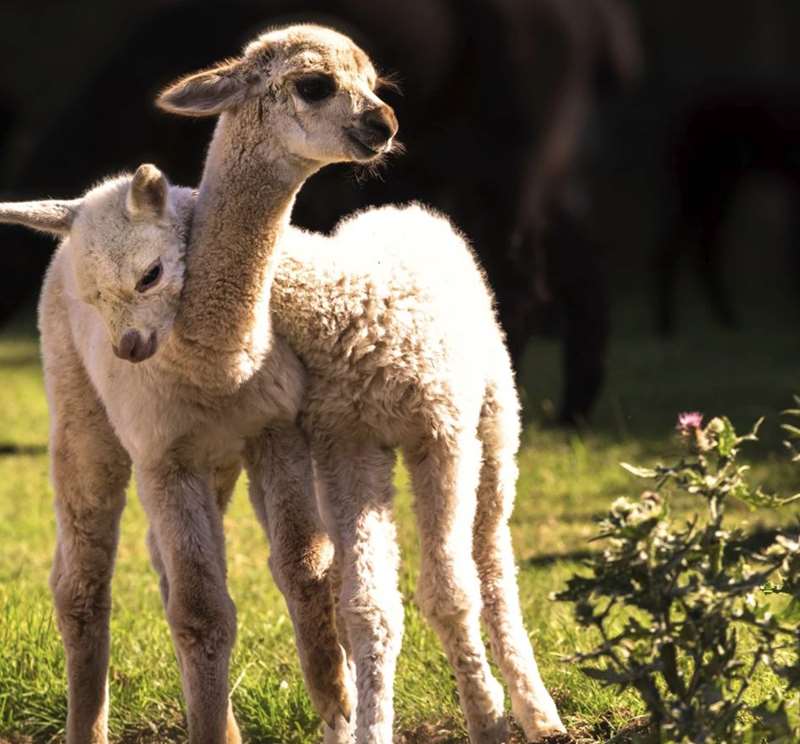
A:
(332, 694)
(496, 731)
(541, 721)
(342, 732)
(490, 726)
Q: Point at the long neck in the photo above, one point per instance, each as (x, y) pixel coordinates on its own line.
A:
(244, 202)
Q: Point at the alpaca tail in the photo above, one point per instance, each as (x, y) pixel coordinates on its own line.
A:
(499, 432)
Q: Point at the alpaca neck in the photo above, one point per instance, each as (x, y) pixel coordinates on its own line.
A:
(243, 205)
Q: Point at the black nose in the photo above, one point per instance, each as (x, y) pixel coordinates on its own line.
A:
(381, 123)
(133, 348)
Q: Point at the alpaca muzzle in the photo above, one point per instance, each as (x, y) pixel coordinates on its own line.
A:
(134, 348)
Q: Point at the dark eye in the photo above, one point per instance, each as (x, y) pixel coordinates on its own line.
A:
(313, 88)
(150, 277)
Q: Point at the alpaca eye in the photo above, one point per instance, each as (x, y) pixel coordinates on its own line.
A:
(314, 88)
(150, 277)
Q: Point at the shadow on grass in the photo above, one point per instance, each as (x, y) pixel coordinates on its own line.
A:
(9, 449)
(759, 539)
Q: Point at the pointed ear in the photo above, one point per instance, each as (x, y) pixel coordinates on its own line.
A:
(147, 194)
(52, 216)
(209, 92)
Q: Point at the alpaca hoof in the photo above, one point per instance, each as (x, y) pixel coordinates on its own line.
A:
(332, 696)
(543, 726)
(495, 732)
(342, 732)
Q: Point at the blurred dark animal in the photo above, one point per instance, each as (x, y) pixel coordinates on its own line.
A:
(718, 144)
(498, 87)
(595, 48)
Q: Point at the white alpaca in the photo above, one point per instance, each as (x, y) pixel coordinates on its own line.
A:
(394, 322)
(395, 325)
(221, 389)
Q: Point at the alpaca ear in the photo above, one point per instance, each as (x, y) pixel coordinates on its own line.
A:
(209, 92)
(52, 216)
(147, 194)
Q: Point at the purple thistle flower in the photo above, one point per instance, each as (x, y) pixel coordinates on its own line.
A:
(689, 422)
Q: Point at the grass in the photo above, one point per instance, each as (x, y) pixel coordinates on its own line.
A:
(567, 481)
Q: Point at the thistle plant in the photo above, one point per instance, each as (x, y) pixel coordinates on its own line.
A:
(680, 605)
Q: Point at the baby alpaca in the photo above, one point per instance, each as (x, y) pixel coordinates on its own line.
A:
(222, 388)
(396, 328)
(395, 323)
(115, 284)
(108, 304)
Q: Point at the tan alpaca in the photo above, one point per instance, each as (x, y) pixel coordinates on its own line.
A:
(113, 290)
(220, 390)
(395, 324)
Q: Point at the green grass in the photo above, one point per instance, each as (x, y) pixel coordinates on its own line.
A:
(567, 481)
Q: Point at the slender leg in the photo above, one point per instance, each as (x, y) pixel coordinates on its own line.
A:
(186, 528)
(282, 492)
(578, 278)
(499, 433)
(356, 494)
(224, 483)
(444, 474)
(90, 470)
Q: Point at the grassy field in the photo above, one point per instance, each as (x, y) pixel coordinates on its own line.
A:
(567, 481)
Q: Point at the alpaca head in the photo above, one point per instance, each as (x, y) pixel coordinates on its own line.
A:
(126, 242)
(306, 90)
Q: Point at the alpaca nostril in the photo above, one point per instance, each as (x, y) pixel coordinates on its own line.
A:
(145, 349)
(152, 345)
(130, 346)
(381, 122)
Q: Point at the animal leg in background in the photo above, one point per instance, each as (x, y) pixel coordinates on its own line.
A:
(282, 493)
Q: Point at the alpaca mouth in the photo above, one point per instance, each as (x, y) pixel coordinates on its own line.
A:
(364, 150)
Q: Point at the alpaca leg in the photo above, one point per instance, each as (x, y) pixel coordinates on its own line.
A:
(282, 493)
(444, 476)
(187, 534)
(356, 498)
(531, 703)
(224, 483)
(232, 731)
(90, 472)
(335, 574)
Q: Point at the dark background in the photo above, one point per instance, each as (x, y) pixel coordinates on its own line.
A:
(673, 198)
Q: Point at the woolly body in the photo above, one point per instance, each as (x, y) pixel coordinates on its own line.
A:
(387, 315)
(395, 324)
